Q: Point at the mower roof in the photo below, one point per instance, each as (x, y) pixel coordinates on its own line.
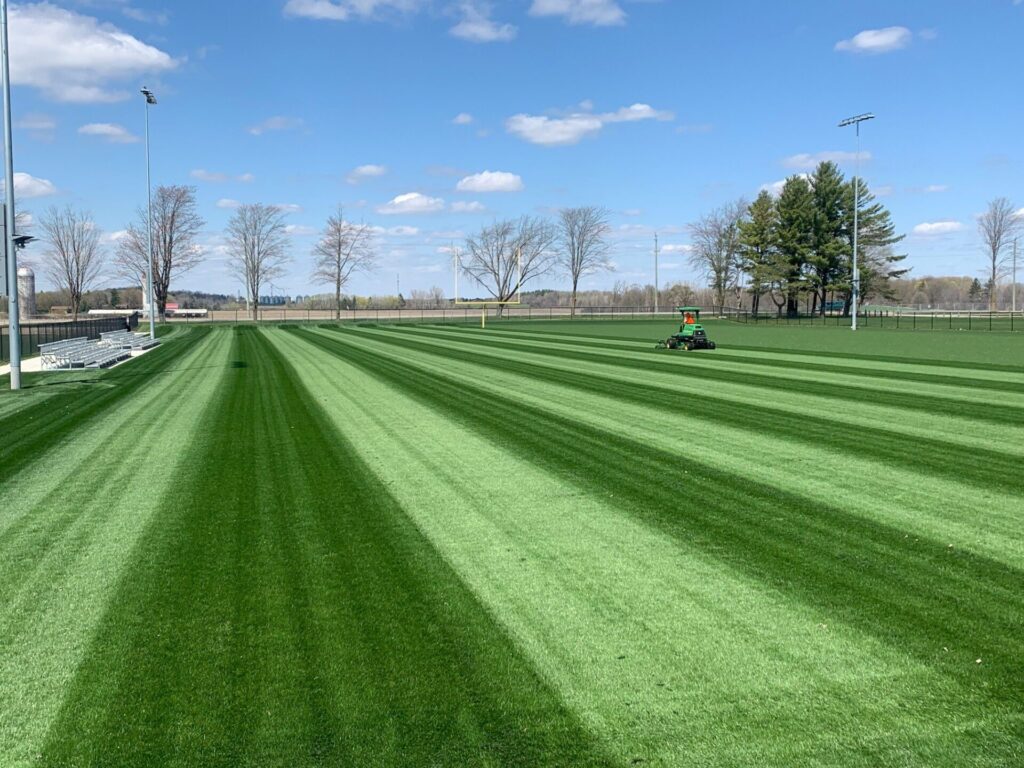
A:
(695, 310)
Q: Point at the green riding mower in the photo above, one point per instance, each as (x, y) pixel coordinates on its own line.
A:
(691, 333)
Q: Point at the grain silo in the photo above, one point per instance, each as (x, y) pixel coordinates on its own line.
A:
(26, 292)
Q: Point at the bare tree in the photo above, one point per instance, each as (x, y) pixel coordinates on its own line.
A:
(505, 255)
(584, 248)
(258, 248)
(717, 247)
(343, 248)
(997, 226)
(73, 259)
(176, 224)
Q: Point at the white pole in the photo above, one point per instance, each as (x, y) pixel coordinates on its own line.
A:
(1013, 288)
(856, 233)
(14, 323)
(149, 238)
(655, 273)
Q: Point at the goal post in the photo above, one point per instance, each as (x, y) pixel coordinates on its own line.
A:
(512, 301)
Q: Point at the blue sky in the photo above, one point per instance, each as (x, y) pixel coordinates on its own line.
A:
(455, 113)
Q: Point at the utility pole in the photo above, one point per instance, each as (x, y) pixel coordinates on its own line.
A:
(150, 99)
(398, 285)
(655, 273)
(1013, 288)
(14, 322)
(855, 288)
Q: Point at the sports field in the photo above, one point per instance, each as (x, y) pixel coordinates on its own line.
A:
(542, 544)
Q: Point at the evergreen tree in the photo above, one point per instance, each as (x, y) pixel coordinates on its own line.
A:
(877, 259)
(759, 251)
(974, 293)
(830, 250)
(795, 208)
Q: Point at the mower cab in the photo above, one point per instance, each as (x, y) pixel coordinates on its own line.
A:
(691, 333)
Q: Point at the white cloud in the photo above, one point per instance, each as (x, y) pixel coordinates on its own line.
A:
(26, 185)
(477, 26)
(343, 10)
(471, 206)
(227, 202)
(805, 160)
(299, 230)
(600, 13)
(1019, 214)
(877, 40)
(775, 187)
(277, 123)
(491, 181)
(111, 132)
(632, 212)
(288, 207)
(411, 202)
(404, 231)
(676, 248)
(146, 17)
(570, 129)
(933, 228)
(931, 188)
(116, 236)
(363, 172)
(883, 191)
(76, 58)
(216, 177)
(463, 118)
(40, 127)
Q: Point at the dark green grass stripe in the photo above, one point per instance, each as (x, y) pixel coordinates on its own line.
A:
(667, 361)
(974, 366)
(986, 469)
(32, 430)
(56, 520)
(283, 611)
(944, 606)
(815, 365)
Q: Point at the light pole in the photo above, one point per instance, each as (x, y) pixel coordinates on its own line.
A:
(856, 121)
(14, 321)
(655, 273)
(150, 99)
(1013, 288)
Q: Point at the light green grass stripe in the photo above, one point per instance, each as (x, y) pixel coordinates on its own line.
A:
(958, 431)
(987, 522)
(663, 651)
(108, 480)
(701, 362)
(804, 360)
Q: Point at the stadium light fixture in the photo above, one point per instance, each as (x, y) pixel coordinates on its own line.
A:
(855, 122)
(10, 244)
(150, 99)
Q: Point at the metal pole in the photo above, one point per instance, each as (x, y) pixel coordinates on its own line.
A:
(14, 323)
(1013, 288)
(149, 238)
(655, 273)
(855, 287)
(856, 233)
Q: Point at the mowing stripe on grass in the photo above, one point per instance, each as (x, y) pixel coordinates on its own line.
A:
(913, 592)
(71, 520)
(671, 655)
(987, 522)
(959, 431)
(283, 611)
(987, 469)
(819, 363)
(998, 408)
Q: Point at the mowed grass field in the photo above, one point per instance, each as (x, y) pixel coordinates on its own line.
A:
(540, 544)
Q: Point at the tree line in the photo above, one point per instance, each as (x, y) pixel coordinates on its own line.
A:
(798, 245)
(794, 249)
